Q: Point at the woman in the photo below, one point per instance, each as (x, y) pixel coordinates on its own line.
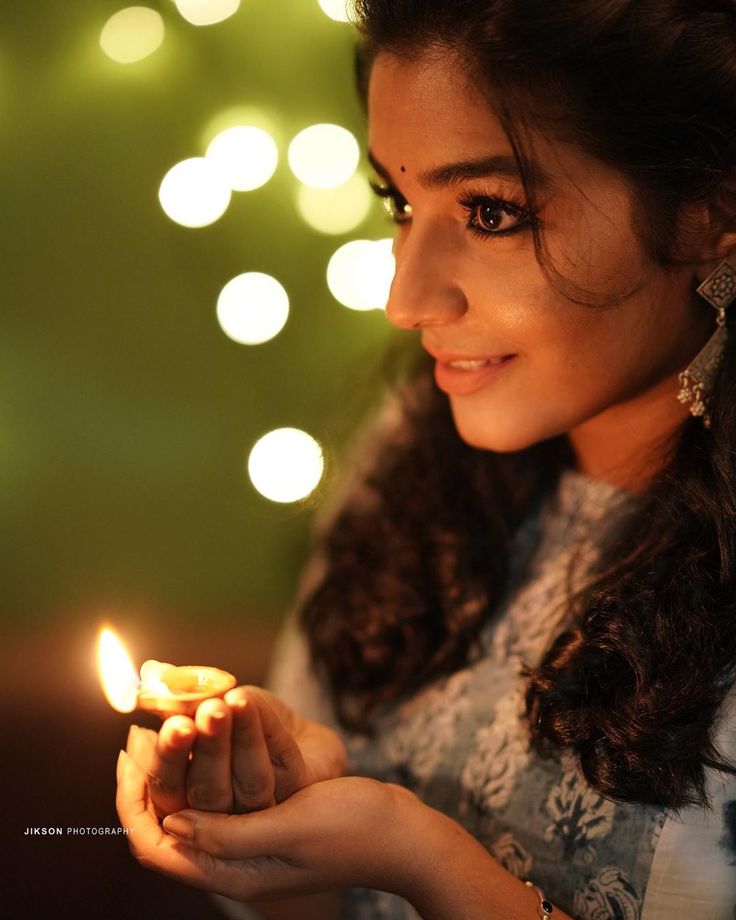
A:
(520, 618)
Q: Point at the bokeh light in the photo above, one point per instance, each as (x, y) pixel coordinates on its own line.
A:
(245, 156)
(193, 193)
(360, 273)
(324, 156)
(207, 12)
(238, 115)
(336, 9)
(335, 210)
(132, 34)
(286, 465)
(252, 308)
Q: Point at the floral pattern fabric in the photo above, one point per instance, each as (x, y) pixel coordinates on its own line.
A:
(461, 744)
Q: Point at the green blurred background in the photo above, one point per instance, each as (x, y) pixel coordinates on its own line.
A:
(126, 414)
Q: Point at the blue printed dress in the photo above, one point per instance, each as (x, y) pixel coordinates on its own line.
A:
(461, 745)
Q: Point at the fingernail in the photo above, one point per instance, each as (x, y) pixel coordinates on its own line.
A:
(181, 733)
(119, 766)
(215, 720)
(179, 825)
(129, 767)
(130, 740)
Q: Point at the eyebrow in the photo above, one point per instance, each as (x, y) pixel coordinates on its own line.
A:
(450, 174)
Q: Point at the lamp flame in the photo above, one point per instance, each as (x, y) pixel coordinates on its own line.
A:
(161, 688)
(118, 676)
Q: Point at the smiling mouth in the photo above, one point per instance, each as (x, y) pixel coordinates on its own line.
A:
(464, 359)
(463, 376)
(471, 364)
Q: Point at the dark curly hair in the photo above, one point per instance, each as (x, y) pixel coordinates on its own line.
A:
(415, 569)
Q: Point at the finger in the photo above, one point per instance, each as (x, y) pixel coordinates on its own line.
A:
(141, 745)
(151, 846)
(209, 785)
(289, 770)
(167, 775)
(321, 829)
(322, 750)
(252, 773)
(131, 803)
(227, 837)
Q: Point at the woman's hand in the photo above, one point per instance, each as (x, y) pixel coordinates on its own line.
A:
(341, 833)
(248, 752)
(333, 834)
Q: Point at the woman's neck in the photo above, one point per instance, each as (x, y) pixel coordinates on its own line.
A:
(630, 442)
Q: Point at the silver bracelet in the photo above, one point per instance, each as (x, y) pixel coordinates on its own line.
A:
(545, 907)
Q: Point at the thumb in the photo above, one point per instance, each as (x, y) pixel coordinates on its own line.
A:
(242, 836)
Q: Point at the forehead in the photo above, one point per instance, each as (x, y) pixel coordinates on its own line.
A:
(430, 104)
(427, 111)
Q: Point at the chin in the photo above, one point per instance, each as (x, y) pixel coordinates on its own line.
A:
(502, 437)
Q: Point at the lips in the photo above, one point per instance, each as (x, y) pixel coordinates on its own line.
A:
(460, 374)
(452, 357)
(472, 364)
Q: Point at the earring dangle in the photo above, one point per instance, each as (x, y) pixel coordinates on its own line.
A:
(696, 381)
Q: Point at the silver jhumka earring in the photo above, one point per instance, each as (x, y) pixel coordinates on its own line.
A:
(696, 381)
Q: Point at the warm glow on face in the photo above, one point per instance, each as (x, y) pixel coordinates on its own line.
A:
(118, 676)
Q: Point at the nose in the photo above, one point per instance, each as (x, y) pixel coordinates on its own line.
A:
(425, 290)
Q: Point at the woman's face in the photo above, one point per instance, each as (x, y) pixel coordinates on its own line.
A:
(468, 278)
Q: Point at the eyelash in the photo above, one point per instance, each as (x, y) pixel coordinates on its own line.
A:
(396, 204)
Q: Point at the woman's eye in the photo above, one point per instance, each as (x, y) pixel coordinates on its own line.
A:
(486, 216)
(493, 217)
(397, 206)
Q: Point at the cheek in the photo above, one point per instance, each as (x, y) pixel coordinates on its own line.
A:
(568, 342)
(586, 360)
(570, 367)
(517, 303)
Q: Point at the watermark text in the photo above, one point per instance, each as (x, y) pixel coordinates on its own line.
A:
(60, 831)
